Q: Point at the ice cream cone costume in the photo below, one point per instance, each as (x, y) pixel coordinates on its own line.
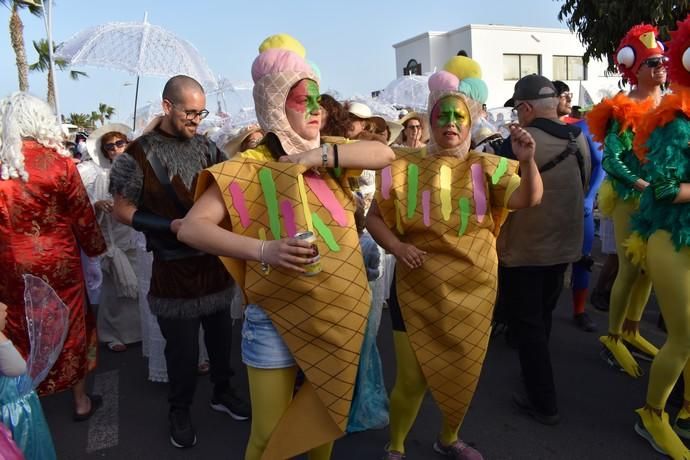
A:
(614, 123)
(451, 208)
(664, 225)
(321, 319)
(449, 203)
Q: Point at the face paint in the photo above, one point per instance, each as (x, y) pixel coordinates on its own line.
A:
(451, 110)
(304, 98)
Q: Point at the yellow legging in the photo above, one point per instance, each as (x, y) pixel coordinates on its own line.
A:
(271, 392)
(408, 393)
(670, 273)
(632, 287)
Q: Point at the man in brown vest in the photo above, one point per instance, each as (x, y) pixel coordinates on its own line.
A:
(153, 187)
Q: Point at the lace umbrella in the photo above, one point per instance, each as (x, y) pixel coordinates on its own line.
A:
(409, 91)
(139, 48)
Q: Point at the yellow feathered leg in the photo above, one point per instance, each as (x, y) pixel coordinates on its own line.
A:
(629, 294)
(670, 273)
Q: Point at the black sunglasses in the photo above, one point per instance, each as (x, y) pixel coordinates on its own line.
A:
(112, 145)
(655, 62)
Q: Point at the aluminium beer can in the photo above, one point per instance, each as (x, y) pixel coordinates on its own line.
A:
(313, 268)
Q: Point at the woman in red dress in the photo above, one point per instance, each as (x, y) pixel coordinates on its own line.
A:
(45, 217)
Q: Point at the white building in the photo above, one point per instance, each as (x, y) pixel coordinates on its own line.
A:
(507, 53)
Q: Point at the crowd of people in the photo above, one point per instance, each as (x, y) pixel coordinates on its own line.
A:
(305, 222)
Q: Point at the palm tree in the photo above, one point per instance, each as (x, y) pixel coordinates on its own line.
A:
(106, 112)
(81, 120)
(17, 35)
(94, 117)
(43, 64)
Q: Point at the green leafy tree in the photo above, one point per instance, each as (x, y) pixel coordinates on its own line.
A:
(43, 65)
(81, 120)
(106, 112)
(601, 24)
(17, 35)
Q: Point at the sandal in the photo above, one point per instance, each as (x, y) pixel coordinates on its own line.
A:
(96, 403)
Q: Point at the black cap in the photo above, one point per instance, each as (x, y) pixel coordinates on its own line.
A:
(532, 87)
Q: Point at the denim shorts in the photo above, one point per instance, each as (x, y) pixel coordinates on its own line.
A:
(262, 345)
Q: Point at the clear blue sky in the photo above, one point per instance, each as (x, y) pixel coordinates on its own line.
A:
(350, 41)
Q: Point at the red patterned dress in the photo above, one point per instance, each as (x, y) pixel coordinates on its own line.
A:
(43, 223)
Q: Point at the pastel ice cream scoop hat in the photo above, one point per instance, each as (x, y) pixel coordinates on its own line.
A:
(281, 64)
(461, 78)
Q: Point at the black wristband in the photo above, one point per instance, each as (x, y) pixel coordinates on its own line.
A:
(148, 222)
(335, 155)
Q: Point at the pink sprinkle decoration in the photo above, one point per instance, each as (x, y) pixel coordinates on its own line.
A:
(478, 185)
(327, 198)
(426, 207)
(386, 182)
(239, 203)
(288, 218)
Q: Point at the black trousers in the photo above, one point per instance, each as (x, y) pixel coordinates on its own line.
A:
(529, 296)
(182, 354)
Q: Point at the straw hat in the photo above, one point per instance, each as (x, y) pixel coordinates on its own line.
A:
(232, 147)
(93, 142)
(422, 119)
(364, 112)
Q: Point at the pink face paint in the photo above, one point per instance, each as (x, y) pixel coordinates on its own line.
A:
(426, 207)
(386, 182)
(239, 203)
(327, 198)
(479, 187)
(288, 213)
(304, 97)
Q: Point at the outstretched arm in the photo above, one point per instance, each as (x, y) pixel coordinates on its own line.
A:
(355, 155)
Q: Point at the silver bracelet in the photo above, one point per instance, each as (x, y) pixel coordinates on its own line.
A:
(324, 155)
(264, 266)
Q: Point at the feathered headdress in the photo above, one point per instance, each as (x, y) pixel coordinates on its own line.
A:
(679, 54)
(639, 44)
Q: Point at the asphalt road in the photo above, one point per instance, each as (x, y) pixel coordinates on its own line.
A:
(596, 402)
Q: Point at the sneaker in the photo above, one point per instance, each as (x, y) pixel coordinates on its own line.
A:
(392, 454)
(231, 404)
(682, 424)
(584, 322)
(523, 403)
(182, 432)
(458, 451)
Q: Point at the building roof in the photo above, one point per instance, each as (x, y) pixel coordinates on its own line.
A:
(484, 27)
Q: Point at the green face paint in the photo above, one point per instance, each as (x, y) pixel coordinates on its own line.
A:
(451, 110)
(304, 98)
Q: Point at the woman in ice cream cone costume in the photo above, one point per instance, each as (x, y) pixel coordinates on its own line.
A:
(307, 298)
(438, 210)
(663, 223)
(614, 123)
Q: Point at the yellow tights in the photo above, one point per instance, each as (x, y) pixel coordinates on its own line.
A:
(670, 272)
(407, 395)
(271, 393)
(632, 288)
